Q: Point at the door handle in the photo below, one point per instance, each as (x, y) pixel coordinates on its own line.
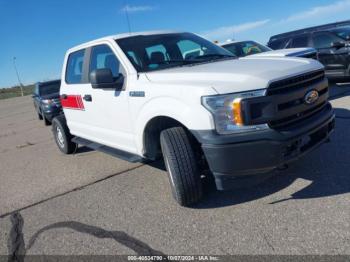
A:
(87, 98)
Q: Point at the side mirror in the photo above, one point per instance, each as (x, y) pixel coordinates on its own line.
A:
(338, 44)
(103, 79)
(34, 95)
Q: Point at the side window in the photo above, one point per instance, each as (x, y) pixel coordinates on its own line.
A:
(189, 49)
(278, 44)
(74, 71)
(324, 40)
(103, 57)
(300, 41)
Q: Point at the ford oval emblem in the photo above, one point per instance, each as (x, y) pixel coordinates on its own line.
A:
(311, 97)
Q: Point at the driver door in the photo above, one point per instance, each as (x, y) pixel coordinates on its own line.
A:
(108, 109)
(334, 59)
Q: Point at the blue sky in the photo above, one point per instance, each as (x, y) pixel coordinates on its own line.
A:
(39, 32)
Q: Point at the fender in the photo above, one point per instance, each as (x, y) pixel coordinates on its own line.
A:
(175, 109)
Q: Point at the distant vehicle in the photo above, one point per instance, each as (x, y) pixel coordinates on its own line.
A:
(331, 42)
(46, 99)
(245, 48)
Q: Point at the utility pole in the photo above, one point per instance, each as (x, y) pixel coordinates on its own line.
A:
(19, 80)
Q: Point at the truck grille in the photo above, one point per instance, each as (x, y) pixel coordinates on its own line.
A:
(284, 105)
(57, 102)
(294, 110)
(295, 83)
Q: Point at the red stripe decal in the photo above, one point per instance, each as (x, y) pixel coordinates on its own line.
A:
(73, 102)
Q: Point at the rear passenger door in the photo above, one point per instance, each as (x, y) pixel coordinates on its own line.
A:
(73, 87)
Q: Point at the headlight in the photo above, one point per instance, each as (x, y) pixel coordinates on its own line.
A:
(227, 111)
(47, 101)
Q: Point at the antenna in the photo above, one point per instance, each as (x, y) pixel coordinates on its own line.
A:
(126, 9)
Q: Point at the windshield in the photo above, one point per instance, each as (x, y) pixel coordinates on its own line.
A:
(343, 32)
(155, 52)
(50, 88)
(246, 48)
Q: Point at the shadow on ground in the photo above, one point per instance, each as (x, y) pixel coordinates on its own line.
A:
(18, 249)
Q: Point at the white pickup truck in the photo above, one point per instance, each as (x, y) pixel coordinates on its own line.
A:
(175, 95)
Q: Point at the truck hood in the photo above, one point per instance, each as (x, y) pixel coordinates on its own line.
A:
(299, 52)
(245, 74)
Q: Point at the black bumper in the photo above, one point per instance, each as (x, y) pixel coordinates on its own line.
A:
(232, 157)
(52, 112)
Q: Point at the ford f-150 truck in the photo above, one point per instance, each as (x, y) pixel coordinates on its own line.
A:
(143, 96)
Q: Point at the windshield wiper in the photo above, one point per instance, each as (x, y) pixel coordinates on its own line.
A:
(202, 57)
(173, 61)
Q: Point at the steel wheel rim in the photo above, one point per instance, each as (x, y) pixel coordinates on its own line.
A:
(59, 136)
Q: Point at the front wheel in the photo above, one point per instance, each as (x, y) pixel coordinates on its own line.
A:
(40, 117)
(63, 137)
(46, 121)
(182, 167)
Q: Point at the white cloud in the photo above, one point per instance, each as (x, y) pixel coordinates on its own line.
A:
(137, 8)
(320, 11)
(227, 32)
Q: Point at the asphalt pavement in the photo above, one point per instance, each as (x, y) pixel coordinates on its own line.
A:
(92, 203)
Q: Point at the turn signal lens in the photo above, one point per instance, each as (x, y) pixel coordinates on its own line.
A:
(237, 111)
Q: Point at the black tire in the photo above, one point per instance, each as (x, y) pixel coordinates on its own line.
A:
(63, 137)
(182, 167)
(46, 122)
(40, 117)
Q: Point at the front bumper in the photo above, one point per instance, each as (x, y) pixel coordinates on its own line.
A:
(51, 112)
(233, 157)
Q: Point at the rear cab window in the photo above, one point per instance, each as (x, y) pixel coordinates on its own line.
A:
(74, 70)
(156, 54)
(49, 88)
(189, 49)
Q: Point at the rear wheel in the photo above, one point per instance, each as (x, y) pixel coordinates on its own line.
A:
(182, 167)
(63, 137)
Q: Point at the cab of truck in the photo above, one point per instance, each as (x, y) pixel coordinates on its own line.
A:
(178, 96)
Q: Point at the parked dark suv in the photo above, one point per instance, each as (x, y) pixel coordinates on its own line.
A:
(47, 100)
(331, 42)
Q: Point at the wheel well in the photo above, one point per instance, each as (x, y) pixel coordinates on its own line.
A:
(151, 135)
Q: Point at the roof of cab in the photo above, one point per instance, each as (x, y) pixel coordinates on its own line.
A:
(120, 36)
(229, 42)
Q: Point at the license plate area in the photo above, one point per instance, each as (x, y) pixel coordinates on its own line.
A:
(313, 139)
(305, 143)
